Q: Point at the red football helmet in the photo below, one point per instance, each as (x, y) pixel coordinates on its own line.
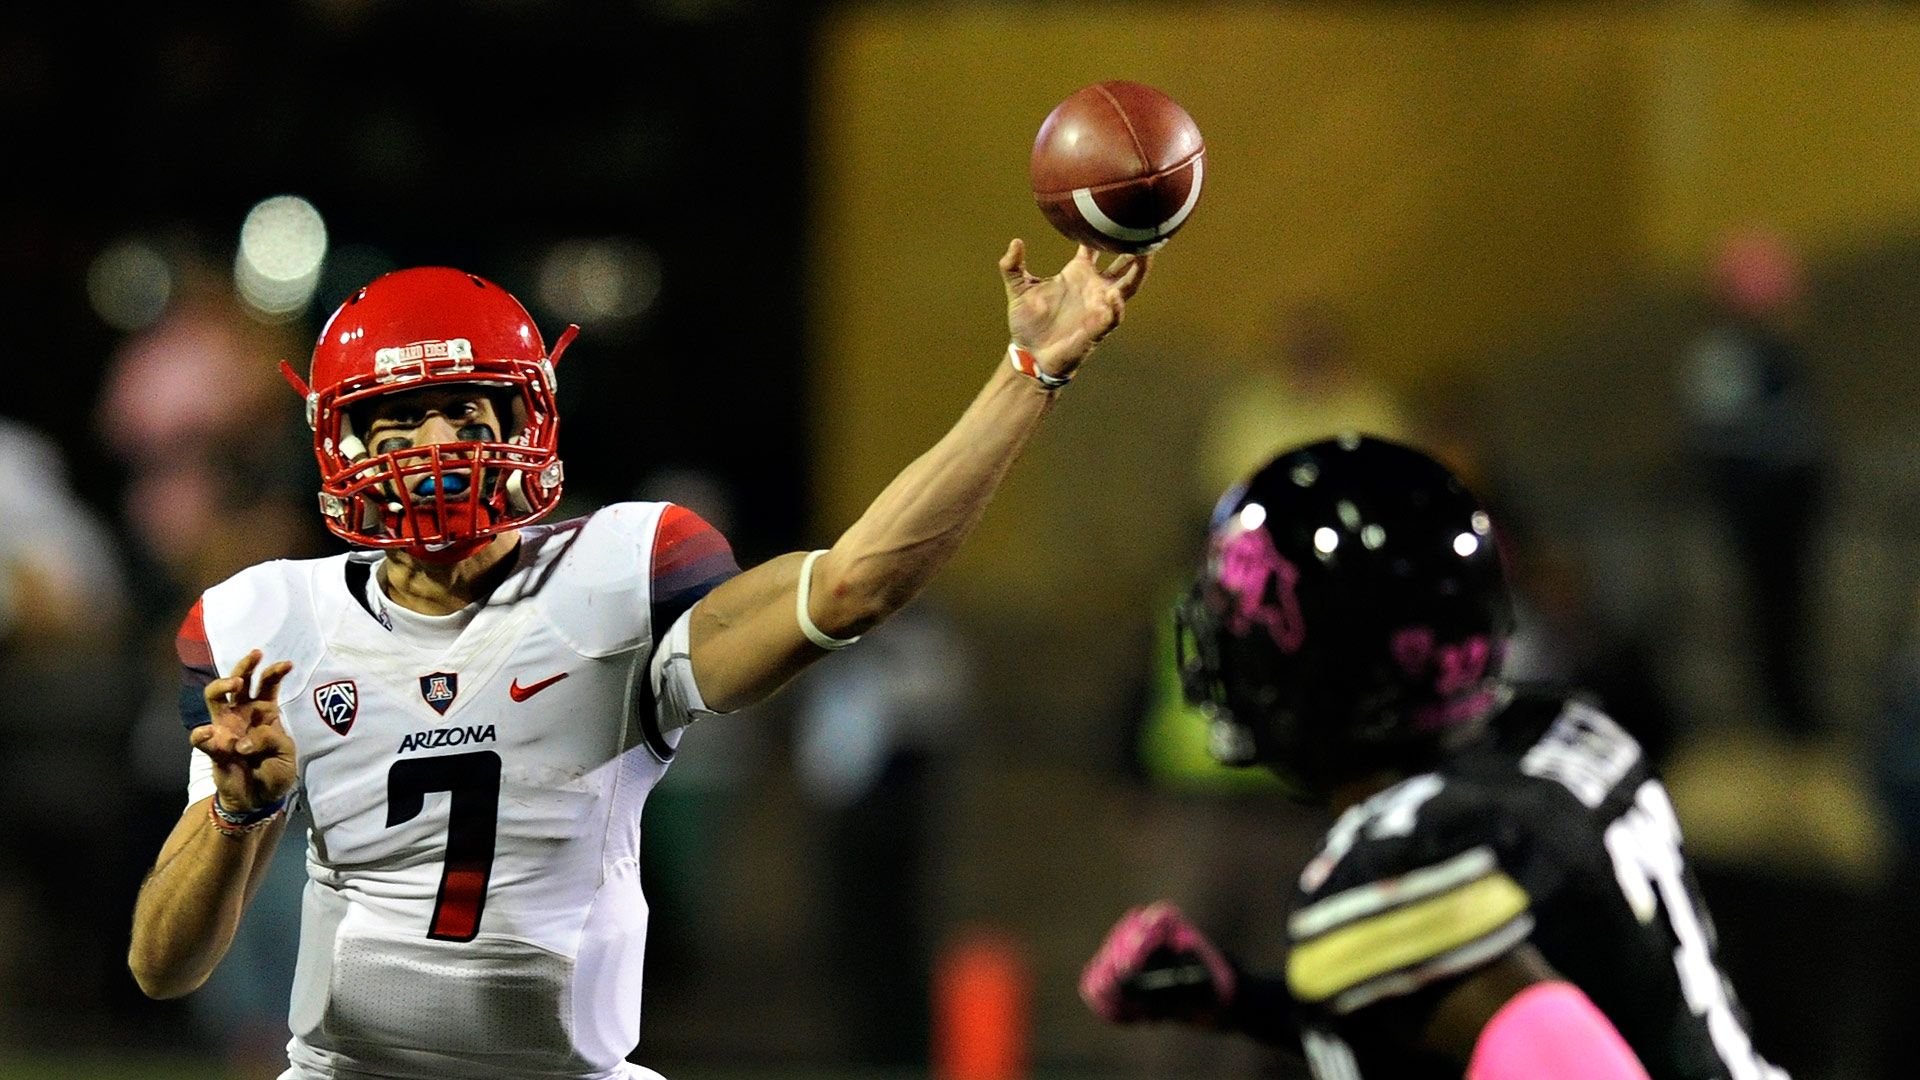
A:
(433, 326)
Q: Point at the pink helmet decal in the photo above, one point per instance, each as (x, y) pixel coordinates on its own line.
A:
(1412, 647)
(1247, 560)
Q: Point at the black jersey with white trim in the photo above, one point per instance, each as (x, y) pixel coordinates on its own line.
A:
(1550, 829)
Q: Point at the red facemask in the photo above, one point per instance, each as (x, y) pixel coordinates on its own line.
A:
(433, 326)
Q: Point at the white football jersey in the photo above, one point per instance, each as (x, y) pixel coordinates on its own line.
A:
(473, 905)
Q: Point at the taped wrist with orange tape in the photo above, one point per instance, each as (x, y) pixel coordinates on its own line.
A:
(1024, 363)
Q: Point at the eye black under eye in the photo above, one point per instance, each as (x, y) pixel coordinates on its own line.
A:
(391, 443)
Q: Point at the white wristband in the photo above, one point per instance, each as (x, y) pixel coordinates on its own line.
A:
(814, 633)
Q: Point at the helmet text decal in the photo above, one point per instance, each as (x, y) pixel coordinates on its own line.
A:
(410, 361)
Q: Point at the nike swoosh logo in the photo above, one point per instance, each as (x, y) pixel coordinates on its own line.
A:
(522, 693)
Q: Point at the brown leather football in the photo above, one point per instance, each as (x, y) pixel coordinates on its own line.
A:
(1118, 166)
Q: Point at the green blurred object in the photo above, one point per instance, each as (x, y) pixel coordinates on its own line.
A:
(1173, 737)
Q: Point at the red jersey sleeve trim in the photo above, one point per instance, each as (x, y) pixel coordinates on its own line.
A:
(690, 559)
(191, 644)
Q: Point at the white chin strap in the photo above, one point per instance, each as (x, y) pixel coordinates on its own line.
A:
(354, 450)
(517, 501)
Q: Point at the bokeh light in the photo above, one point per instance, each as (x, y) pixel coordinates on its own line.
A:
(129, 284)
(283, 243)
(587, 281)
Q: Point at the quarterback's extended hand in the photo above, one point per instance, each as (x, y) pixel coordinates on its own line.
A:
(1060, 319)
(1156, 965)
(252, 754)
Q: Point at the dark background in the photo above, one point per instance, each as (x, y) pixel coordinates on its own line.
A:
(465, 134)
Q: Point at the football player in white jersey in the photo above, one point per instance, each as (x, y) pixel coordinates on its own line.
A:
(475, 708)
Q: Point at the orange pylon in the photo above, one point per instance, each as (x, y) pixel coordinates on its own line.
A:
(981, 994)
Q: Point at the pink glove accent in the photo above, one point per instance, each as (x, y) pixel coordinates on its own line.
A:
(1552, 1029)
(1124, 954)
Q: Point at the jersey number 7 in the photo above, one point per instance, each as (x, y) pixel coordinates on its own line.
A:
(473, 781)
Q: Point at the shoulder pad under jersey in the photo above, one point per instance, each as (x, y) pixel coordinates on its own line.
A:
(590, 577)
(270, 606)
(1428, 879)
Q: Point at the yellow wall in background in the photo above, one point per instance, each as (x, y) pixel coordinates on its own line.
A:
(1454, 183)
(1809, 120)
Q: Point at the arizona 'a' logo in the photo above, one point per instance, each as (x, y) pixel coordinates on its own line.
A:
(339, 703)
(439, 689)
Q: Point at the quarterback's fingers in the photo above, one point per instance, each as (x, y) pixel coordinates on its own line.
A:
(202, 737)
(213, 742)
(243, 671)
(219, 692)
(1116, 311)
(1013, 265)
(270, 680)
(266, 739)
(1129, 277)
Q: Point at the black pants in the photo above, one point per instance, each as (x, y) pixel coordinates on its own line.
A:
(1773, 513)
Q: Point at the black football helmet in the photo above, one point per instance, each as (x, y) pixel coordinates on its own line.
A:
(1351, 617)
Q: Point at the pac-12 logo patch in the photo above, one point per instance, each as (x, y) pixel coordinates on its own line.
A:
(339, 703)
(439, 689)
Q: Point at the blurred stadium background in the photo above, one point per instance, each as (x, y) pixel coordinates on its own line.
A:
(1650, 273)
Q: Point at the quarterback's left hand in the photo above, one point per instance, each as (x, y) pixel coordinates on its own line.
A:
(1060, 319)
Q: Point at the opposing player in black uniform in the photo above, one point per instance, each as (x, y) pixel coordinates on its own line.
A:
(1503, 895)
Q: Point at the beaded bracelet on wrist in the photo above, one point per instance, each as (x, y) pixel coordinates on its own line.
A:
(239, 824)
